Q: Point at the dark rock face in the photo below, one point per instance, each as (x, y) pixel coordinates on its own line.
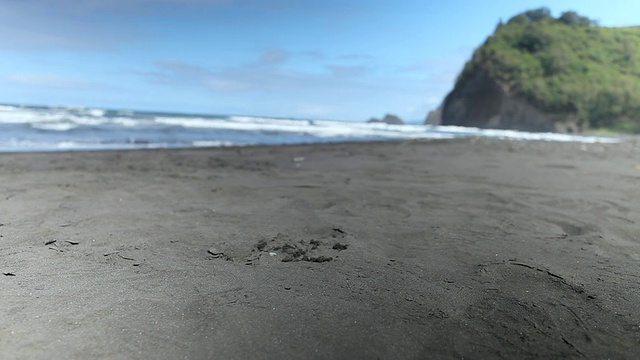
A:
(388, 119)
(479, 101)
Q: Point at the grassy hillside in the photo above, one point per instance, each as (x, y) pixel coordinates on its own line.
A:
(567, 66)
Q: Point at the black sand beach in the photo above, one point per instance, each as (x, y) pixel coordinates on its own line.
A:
(474, 249)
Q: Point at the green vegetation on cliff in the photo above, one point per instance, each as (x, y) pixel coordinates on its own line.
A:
(567, 66)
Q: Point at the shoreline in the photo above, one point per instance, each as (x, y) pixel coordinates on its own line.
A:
(624, 139)
(402, 249)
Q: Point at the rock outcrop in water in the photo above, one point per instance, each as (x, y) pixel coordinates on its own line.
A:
(540, 73)
(388, 119)
(434, 117)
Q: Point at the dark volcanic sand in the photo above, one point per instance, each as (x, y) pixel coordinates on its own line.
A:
(471, 249)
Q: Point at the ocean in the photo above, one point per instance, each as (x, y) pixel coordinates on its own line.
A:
(39, 128)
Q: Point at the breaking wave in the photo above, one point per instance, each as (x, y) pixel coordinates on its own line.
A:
(32, 128)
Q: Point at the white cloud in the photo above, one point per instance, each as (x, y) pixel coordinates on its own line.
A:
(317, 90)
(433, 100)
(39, 25)
(47, 80)
(222, 85)
(356, 57)
(87, 6)
(313, 55)
(78, 24)
(182, 69)
(274, 56)
(347, 71)
(252, 76)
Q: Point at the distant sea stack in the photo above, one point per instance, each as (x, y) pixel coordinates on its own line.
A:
(544, 74)
(387, 119)
(434, 117)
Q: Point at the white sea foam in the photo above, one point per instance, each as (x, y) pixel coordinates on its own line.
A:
(96, 112)
(520, 135)
(267, 120)
(87, 120)
(186, 122)
(22, 117)
(60, 126)
(323, 129)
(125, 121)
(338, 129)
(208, 143)
(91, 128)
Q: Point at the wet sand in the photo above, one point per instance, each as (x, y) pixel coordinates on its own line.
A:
(471, 249)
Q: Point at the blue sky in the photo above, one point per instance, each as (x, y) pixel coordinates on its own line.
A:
(328, 59)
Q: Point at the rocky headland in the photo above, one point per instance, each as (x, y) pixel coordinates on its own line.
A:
(545, 74)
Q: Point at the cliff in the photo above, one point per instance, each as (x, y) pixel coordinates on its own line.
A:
(540, 73)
